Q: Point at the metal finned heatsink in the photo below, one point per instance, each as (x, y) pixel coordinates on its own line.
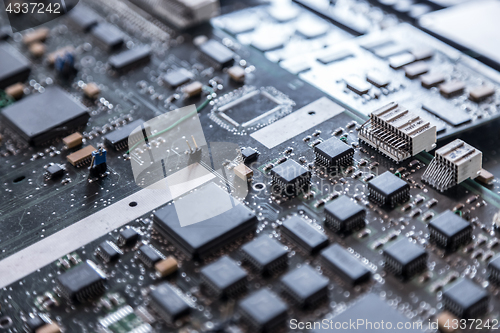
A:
(398, 133)
(453, 164)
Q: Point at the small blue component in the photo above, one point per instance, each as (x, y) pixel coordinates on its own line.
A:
(65, 64)
(99, 156)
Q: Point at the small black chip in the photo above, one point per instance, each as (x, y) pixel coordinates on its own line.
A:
(266, 255)
(149, 255)
(177, 77)
(249, 155)
(305, 286)
(14, 67)
(130, 58)
(465, 299)
(304, 234)
(263, 311)
(290, 178)
(40, 118)
(108, 35)
(405, 259)
(119, 138)
(344, 215)
(494, 270)
(108, 251)
(54, 171)
(388, 189)
(450, 231)
(168, 303)
(224, 278)
(333, 152)
(345, 265)
(217, 53)
(128, 237)
(82, 282)
(83, 17)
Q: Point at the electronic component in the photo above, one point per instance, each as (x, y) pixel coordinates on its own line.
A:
(480, 93)
(344, 215)
(447, 112)
(37, 35)
(465, 299)
(81, 157)
(61, 52)
(83, 17)
(98, 164)
(290, 178)
(54, 171)
(108, 35)
(119, 138)
(304, 234)
(166, 266)
(73, 140)
(108, 251)
(82, 282)
(263, 311)
(91, 90)
(193, 89)
(224, 277)
(398, 133)
(388, 189)
(342, 263)
(444, 319)
(305, 286)
(177, 77)
(485, 177)
(37, 49)
(333, 152)
(249, 155)
(450, 231)
(405, 259)
(128, 237)
(217, 53)
(236, 73)
(357, 85)
(266, 255)
(242, 171)
(130, 58)
(416, 69)
(494, 270)
(16, 90)
(452, 88)
(167, 302)
(40, 118)
(432, 80)
(149, 255)
(203, 238)
(49, 328)
(14, 67)
(377, 79)
(33, 322)
(65, 64)
(452, 164)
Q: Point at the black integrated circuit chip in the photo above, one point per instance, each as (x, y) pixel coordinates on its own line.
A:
(305, 286)
(494, 270)
(290, 178)
(249, 155)
(82, 282)
(14, 67)
(224, 277)
(83, 17)
(149, 255)
(217, 53)
(108, 251)
(40, 118)
(130, 58)
(304, 234)
(108, 35)
(465, 299)
(450, 231)
(405, 259)
(266, 255)
(166, 302)
(342, 263)
(344, 215)
(333, 152)
(128, 237)
(119, 138)
(388, 189)
(263, 311)
(54, 171)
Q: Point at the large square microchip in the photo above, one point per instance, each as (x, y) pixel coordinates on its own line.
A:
(224, 277)
(263, 311)
(305, 286)
(14, 67)
(41, 118)
(266, 255)
(388, 189)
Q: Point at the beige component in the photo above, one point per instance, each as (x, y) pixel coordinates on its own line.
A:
(16, 90)
(38, 35)
(485, 177)
(166, 266)
(237, 73)
(81, 157)
(193, 89)
(243, 171)
(91, 90)
(51, 57)
(446, 322)
(37, 49)
(481, 92)
(49, 328)
(73, 140)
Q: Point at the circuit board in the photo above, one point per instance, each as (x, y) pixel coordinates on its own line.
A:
(100, 244)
